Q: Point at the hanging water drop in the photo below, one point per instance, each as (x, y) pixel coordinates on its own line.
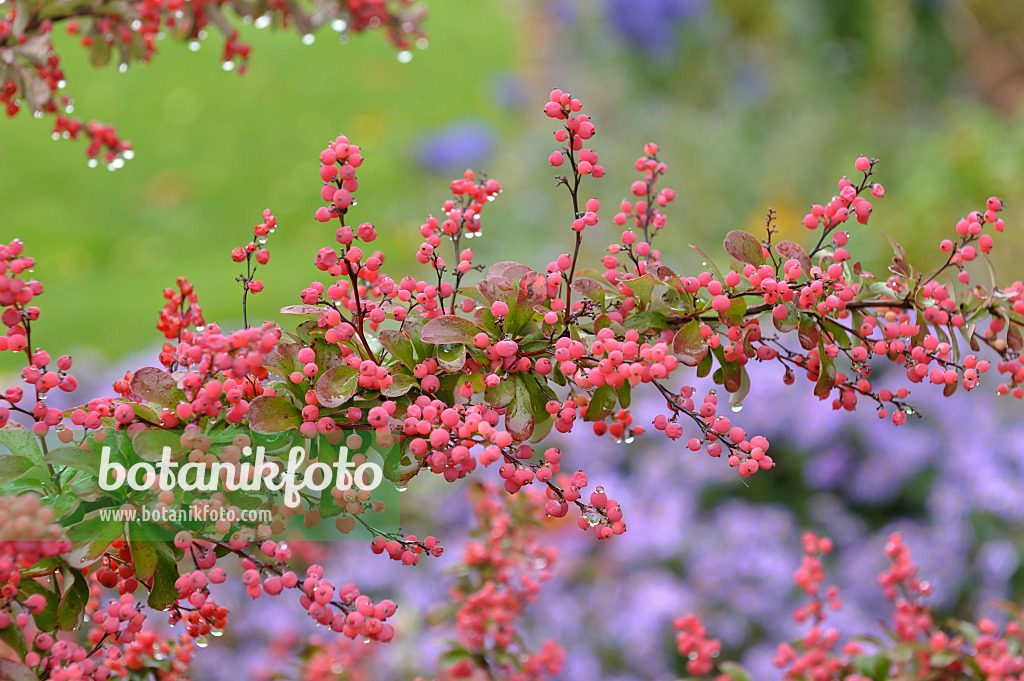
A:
(339, 25)
(123, 67)
(193, 46)
(737, 407)
(228, 66)
(404, 57)
(402, 488)
(308, 39)
(262, 21)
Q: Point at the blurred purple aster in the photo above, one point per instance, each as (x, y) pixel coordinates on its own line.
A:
(651, 25)
(456, 146)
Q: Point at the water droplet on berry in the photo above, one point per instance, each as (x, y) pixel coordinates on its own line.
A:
(193, 46)
(200, 328)
(92, 163)
(404, 57)
(366, 639)
(228, 66)
(202, 641)
(128, 154)
(55, 136)
(262, 21)
(422, 43)
(592, 518)
(308, 39)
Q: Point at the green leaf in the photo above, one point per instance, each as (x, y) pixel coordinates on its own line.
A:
(14, 638)
(734, 315)
(643, 288)
(732, 372)
(875, 667)
(519, 419)
(63, 505)
(826, 374)
(164, 593)
(744, 247)
(449, 329)
(709, 263)
(141, 542)
(500, 395)
(704, 368)
(399, 345)
(451, 357)
(273, 414)
(78, 458)
(45, 619)
(450, 658)
(13, 467)
(623, 394)
(736, 398)
(601, 404)
(90, 539)
(789, 322)
(20, 441)
(734, 671)
(400, 466)
(149, 443)
(99, 53)
(336, 386)
(71, 611)
(400, 385)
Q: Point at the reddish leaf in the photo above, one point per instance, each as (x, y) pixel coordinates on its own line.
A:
(507, 270)
(791, 249)
(689, 346)
(449, 329)
(743, 246)
(156, 385)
